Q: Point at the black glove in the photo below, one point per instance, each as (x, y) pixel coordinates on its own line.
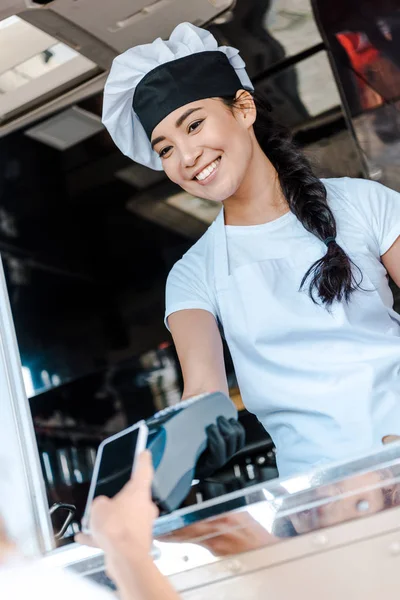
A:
(223, 441)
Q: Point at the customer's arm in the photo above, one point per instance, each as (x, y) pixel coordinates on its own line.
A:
(139, 578)
(122, 527)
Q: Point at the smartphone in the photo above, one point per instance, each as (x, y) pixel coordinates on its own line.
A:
(114, 464)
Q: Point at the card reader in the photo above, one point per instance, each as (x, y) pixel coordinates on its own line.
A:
(177, 437)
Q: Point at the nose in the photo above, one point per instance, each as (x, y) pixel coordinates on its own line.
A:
(190, 154)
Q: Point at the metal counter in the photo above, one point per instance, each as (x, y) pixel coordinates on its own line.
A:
(333, 532)
(338, 512)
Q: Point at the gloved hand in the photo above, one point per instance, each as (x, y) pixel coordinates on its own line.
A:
(223, 441)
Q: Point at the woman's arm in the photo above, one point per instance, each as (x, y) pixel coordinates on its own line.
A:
(391, 261)
(199, 347)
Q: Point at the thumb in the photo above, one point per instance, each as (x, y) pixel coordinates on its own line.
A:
(389, 439)
(85, 540)
(143, 474)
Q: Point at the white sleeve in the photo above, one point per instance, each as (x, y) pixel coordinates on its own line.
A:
(36, 579)
(380, 206)
(187, 288)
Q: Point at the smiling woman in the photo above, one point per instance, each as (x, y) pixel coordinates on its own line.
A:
(293, 269)
(207, 149)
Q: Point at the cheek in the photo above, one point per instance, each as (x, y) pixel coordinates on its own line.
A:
(172, 171)
(238, 150)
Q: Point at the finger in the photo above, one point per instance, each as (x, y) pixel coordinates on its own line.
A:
(156, 511)
(389, 439)
(240, 434)
(144, 472)
(6, 544)
(142, 476)
(216, 446)
(3, 531)
(85, 540)
(99, 509)
(99, 503)
(229, 435)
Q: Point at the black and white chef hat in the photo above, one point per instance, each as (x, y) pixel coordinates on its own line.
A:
(148, 82)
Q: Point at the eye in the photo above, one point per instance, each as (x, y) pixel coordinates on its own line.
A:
(164, 151)
(195, 125)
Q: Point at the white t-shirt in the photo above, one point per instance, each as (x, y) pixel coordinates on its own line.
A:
(324, 383)
(34, 580)
(367, 215)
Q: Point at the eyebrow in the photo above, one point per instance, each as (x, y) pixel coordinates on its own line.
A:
(178, 123)
(185, 115)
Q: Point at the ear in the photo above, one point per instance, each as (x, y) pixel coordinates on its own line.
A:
(246, 108)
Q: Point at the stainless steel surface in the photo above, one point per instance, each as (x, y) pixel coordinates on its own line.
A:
(357, 559)
(268, 524)
(23, 501)
(354, 560)
(286, 497)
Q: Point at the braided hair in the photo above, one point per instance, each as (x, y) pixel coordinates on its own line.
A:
(331, 277)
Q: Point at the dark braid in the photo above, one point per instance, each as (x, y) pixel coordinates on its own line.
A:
(331, 277)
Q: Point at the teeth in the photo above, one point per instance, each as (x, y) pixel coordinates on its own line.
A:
(208, 170)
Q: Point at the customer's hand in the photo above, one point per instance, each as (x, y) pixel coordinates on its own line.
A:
(389, 439)
(223, 441)
(124, 523)
(7, 547)
(122, 527)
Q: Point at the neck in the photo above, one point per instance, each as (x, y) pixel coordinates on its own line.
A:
(259, 198)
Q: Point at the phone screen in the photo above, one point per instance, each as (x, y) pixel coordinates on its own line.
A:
(114, 464)
(115, 468)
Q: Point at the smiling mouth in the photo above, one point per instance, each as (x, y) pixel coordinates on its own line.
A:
(208, 171)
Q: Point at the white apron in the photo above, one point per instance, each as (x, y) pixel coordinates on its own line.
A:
(325, 385)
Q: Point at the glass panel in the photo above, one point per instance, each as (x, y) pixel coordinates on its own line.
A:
(378, 133)
(303, 91)
(291, 22)
(364, 41)
(273, 512)
(267, 31)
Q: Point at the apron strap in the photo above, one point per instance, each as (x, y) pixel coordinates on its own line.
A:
(220, 251)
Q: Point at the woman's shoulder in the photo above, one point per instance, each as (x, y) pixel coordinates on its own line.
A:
(364, 209)
(347, 187)
(353, 189)
(359, 196)
(190, 282)
(197, 260)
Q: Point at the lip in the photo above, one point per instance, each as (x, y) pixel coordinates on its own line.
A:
(211, 177)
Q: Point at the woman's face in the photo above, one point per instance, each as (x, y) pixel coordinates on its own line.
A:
(206, 148)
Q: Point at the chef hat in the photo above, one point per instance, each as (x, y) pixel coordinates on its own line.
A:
(148, 82)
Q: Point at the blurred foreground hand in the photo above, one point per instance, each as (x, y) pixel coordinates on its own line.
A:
(125, 521)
